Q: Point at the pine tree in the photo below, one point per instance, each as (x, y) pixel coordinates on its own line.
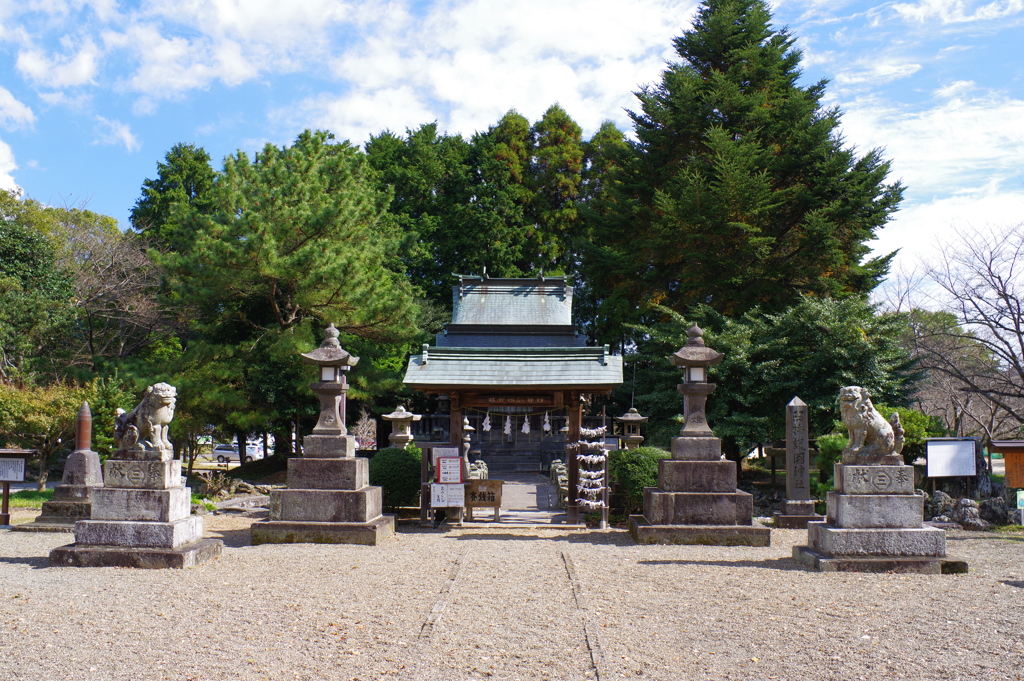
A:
(184, 180)
(739, 191)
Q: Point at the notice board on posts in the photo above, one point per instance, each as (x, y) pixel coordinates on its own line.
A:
(951, 457)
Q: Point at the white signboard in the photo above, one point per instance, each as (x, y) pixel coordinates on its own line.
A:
(447, 496)
(950, 458)
(449, 469)
(439, 452)
(12, 470)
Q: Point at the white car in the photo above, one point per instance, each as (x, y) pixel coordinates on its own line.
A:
(224, 453)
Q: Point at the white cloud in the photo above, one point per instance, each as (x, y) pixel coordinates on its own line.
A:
(7, 167)
(116, 133)
(59, 71)
(958, 11)
(14, 114)
(876, 72)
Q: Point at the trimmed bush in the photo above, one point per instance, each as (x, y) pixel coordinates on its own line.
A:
(397, 472)
(635, 469)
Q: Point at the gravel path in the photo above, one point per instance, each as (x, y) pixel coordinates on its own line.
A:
(508, 604)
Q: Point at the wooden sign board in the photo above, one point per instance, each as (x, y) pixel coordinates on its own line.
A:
(12, 469)
(1014, 469)
(447, 496)
(483, 493)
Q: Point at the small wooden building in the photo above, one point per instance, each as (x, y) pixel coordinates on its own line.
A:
(512, 343)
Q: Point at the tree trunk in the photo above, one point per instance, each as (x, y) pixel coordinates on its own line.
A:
(44, 469)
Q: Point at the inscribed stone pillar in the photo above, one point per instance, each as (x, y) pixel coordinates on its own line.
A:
(797, 507)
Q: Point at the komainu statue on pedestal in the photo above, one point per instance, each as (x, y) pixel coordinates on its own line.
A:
(871, 436)
(142, 432)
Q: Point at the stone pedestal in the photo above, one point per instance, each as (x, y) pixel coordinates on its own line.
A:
(141, 517)
(796, 514)
(329, 500)
(696, 501)
(875, 524)
(72, 497)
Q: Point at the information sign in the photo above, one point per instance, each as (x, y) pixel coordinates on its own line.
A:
(447, 496)
(439, 452)
(1020, 498)
(949, 458)
(12, 470)
(449, 469)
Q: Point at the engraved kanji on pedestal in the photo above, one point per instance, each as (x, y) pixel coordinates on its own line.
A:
(329, 499)
(798, 506)
(696, 500)
(141, 517)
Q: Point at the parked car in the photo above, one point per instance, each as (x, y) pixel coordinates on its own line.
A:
(224, 453)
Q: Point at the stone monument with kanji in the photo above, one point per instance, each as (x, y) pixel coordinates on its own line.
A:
(329, 499)
(696, 500)
(798, 506)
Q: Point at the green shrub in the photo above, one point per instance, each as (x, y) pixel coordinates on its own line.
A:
(635, 469)
(830, 452)
(397, 472)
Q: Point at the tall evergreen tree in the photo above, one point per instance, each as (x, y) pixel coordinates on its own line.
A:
(739, 191)
(184, 180)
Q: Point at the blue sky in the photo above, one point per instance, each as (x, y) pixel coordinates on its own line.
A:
(94, 92)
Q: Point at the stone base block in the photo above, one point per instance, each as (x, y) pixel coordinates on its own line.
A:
(47, 523)
(311, 473)
(72, 510)
(82, 468)
(875, 510)
(904, 564)
(74, 492)
(894, 542)
(798, 507)
(281, 532)
(694, 508)
(160, 505)
(192, 555)
(696, 449)
(644, 532)
(142, 474)
(795, 522)
(852, 479)
(696, 476)
(326, 506)
(139, 534)
(329, 446)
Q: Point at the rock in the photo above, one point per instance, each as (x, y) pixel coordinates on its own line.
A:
(965, 512)
(995, 511)
(199, 509)
(941, 504)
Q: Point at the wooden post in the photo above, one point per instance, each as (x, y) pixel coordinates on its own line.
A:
(455, 420)
(426, 454)
(572, 507)
(5, 513)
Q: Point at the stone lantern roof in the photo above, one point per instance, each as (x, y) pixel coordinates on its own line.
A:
(330, 352)
(695, 353)
(631, 416)
(400, 414)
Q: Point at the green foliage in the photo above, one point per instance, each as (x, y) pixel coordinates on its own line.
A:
(397, 472)
(916, 427)
(184, 181)
(830, 450)
(740, 192)
(30, 498)
(42, 418)
(635, 469)
(809, 350)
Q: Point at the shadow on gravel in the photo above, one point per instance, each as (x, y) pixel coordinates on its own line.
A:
(599, 539)
(787, 564)
(1019, 585)
(36, 562)
(232, 538)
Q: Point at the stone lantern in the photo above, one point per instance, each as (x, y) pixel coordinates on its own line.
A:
(401, 433)
(695, 358)
(631, 420)
(330, 437)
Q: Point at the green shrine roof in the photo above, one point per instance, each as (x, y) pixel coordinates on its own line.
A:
(472, 367)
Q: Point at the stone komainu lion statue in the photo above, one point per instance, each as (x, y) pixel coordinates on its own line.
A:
(871, 436)
(144, 428)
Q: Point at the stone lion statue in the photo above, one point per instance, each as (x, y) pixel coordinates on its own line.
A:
(144, 429)
(871, 436)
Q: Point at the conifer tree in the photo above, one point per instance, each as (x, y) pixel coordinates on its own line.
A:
(739, 191)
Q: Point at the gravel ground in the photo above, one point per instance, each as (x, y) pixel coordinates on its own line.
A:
(507, 604)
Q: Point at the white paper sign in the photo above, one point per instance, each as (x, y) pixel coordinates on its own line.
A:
(447, 496)
(438, 452)
(950, 458)
(12, 470)
(449, 469)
